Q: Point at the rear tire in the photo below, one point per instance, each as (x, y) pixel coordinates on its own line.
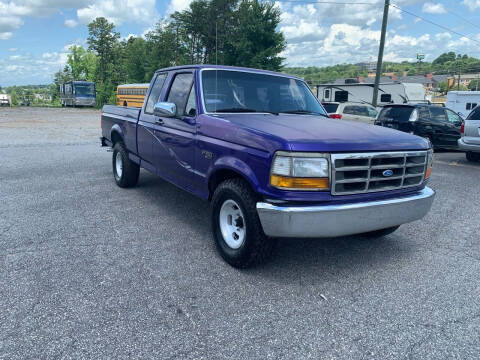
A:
(125, 171)
(237, 230)
(471, 156)
(380, 233)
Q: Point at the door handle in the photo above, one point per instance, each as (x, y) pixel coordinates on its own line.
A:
(159, 122)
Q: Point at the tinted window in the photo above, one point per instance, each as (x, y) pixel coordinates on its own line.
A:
(341, 96)
(327, 94)
(386, 98)
(468, 106)
(453, 118)
(331, 108)
(400, 114)
(475, 114)
(179, 91)
(362, 110)
(350, 110)
(437, 114)
(423, 112)
(155, 93)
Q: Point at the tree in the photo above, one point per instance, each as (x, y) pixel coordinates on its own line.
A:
(442, 59)
(102, 39)
(75, 61)
(254, 41)
(474, 85)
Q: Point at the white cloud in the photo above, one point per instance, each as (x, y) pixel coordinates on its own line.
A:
(471, 4)
(177, 5)
(119, 11)
(433, 8)
(71, 23)
(13, 49)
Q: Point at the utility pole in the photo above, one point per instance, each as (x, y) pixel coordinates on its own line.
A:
(380, 52)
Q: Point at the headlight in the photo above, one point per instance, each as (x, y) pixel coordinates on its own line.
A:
(300, 171)
(428, 172)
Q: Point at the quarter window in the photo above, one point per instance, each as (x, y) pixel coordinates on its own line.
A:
(453, 118)
(437, 114)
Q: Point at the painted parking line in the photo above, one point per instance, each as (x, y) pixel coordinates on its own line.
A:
(455, 163)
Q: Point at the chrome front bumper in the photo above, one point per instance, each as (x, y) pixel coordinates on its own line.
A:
(462, 145)
(346, 219)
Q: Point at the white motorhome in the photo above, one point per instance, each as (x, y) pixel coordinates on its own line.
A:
(463, 102)
(5, 100)
(388, 93)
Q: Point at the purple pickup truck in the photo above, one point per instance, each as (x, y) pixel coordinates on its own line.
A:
(260, 147)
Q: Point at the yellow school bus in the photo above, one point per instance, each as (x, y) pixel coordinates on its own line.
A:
(131, 94)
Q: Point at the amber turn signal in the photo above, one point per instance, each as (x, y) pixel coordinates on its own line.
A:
(428, 173)
(299, 183)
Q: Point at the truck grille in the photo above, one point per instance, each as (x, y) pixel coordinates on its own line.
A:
(381, 171)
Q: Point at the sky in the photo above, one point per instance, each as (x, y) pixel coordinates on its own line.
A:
(35, 34)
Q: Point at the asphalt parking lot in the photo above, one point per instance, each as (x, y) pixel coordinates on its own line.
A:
(89, 270)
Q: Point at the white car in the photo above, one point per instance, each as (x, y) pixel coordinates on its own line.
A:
(470, 140)
(351, 111)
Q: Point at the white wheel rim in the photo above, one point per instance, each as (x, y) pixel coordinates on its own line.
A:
(232, 224)
(118, 164)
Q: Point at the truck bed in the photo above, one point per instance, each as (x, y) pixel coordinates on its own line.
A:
(124, 119)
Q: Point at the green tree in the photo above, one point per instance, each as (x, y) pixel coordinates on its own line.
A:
(75, 61)
(102, 39)
(255, 42)
(474, 85)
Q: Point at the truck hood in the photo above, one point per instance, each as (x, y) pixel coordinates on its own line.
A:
(317, 133)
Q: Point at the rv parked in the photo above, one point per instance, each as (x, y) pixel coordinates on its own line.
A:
(5, 100)
(388, 93)
(463, 102)
(78, 93)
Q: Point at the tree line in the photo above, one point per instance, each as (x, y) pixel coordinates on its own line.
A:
(227, 32)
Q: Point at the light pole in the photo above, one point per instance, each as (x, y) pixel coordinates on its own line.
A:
(380, 52)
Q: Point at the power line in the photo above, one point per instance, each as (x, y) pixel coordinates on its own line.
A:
(326, 2)
(461, 17)
(434, 23)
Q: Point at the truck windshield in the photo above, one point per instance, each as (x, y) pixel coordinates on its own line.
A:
(87, 90)
(240, 91)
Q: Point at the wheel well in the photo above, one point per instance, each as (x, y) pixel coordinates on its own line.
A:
(116, 137)
(221, 175)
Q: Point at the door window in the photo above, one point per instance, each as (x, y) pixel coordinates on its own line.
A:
(327, 94)
(362, 111)
(155, 93)
(453, 118)
(179, 92)
(438, 114)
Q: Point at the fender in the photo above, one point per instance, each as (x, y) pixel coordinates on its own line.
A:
(236, 165)
(116, 129)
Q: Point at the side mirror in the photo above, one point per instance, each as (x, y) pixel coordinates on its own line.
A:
(165, 109)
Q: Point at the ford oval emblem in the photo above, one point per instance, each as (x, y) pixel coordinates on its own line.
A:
(387, 173)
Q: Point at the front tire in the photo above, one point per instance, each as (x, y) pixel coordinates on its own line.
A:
(125, 171)
(380, 233)
(471, 156)
(237, 230)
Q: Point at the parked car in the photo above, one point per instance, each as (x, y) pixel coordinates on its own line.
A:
(259, 146)
(470, 140)
(439, 125)
(351, 111)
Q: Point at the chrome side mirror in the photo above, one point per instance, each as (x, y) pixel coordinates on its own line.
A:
(165, 109)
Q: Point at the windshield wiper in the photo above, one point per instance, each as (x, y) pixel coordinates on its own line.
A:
(306, 112)
(244, 110)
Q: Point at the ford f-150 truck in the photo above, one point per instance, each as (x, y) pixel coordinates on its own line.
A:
(259, 146)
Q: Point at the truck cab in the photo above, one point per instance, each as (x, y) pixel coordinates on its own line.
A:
(260, 147)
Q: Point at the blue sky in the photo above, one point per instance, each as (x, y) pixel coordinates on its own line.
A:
(35, 34)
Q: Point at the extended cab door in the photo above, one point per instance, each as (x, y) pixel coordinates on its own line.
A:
(174, 143)
(146, 123)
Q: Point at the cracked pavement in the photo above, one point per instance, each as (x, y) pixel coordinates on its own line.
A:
(89, 270)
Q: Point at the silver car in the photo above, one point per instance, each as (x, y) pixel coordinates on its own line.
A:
(470, 140)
